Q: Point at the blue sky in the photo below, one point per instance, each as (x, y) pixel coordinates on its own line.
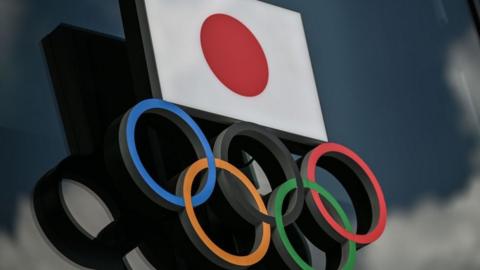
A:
(383, 71)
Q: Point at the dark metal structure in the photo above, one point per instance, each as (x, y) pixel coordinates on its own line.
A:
(100, 82)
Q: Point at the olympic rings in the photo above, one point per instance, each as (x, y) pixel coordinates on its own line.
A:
(135, 166)
(198, 235)
(369, 183)
(338, 241)
(286, 246)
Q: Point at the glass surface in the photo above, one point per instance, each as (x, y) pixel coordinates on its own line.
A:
(398, 83)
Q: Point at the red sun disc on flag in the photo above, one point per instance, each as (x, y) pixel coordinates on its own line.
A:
(234, 55)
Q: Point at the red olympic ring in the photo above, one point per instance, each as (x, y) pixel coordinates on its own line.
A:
(371, 236)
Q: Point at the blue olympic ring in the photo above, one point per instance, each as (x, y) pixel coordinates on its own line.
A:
(152, 104)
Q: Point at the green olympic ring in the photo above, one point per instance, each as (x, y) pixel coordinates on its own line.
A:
(282, 192)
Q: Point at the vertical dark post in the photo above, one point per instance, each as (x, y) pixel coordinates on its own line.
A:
(92, 83)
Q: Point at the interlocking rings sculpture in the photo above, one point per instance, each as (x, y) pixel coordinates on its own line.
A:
(213, 199)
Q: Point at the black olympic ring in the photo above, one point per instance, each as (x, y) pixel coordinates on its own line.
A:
(267, 150)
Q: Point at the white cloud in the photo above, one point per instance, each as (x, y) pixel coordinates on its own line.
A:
(463, 74)
(26, 248)
(435, 235)
(441, 234)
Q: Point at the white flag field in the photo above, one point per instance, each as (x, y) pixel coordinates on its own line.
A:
(242, 59)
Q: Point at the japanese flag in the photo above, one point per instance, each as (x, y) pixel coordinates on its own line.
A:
(240, 59)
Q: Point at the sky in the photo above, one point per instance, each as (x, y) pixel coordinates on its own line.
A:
(397, 82)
